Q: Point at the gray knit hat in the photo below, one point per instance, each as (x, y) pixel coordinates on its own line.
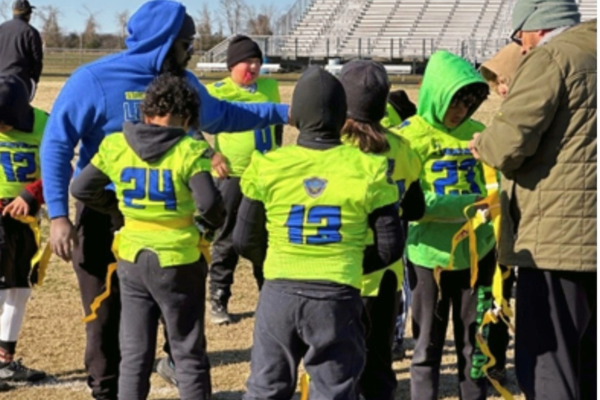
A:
(533, 15)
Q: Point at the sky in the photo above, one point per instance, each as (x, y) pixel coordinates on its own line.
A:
(73, 13)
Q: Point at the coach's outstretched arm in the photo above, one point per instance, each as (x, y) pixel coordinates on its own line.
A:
(223, 116)
(73, 115)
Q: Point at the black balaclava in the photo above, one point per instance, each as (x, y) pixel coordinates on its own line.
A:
(15, 109)
(318, 108)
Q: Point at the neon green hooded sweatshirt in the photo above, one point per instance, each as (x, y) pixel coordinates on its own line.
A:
(452, 179)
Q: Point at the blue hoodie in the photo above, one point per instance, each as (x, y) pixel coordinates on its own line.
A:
(99, 97)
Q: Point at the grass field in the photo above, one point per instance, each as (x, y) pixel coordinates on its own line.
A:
(53, 334)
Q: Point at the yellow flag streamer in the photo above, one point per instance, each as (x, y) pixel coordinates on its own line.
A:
(491, 211)
(42, 256)
(304, 385)
(112, 267)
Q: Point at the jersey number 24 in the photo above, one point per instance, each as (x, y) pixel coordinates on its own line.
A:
(147, 184)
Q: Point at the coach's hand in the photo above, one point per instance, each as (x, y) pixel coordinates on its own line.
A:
(62, 237)
(473, 146)
(218, 162)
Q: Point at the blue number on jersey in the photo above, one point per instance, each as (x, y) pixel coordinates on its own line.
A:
(263, 139)
(329, 233)
(167, 194)
(153, 192)
(452, 168)
(22, 172)
(138, 176)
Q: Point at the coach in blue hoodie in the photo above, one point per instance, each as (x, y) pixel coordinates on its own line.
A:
(95, 101)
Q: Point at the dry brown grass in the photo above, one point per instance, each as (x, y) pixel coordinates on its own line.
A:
(53, 334)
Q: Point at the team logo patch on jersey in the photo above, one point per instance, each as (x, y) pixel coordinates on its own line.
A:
(315, 186)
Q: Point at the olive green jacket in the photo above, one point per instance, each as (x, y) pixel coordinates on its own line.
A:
(543, 141)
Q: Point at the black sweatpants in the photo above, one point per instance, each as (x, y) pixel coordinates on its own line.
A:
(90, 261)
(430, 321)
(499, 337)
(178, 293)
(378, 379)
(555, 342)
(292, 325)
(224, 257)
(17, 248)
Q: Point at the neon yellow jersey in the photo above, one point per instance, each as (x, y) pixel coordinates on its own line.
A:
(20, 157)
(317, 204)
(238, 147)
(155, 198)
(452, 179)
(404, 167)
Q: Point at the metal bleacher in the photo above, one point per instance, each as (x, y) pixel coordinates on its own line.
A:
(391, 29)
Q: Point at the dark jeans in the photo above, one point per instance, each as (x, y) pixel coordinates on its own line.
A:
(178, 293)
(430, 321)
(555, 342)
(378, 380)
(293, 325)
(90, 261)
(224, 257)
(499, 337)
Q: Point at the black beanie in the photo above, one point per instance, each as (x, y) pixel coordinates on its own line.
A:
(367, 88)
(188, 28)
(241, 48)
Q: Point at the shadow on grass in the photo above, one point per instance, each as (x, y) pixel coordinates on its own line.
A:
(227, 357)
(242, 316)
(233, 395)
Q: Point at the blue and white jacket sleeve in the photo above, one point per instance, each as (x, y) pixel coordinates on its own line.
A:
(223, 116)
(75, 113)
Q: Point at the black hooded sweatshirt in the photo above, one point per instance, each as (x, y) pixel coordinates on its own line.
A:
(150, 143)
(319, 113)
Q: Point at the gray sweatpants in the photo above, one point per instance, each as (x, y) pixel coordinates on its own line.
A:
(327, 333)
(147, 291)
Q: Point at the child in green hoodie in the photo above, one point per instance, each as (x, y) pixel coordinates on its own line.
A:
(452, 179)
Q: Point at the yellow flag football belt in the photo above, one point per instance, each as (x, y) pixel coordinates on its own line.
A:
(203, 246)
(488, 209)
(41, 258)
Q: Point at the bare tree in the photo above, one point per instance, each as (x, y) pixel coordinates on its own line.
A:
(122, 19)
(259, 21)
(204, 26)
(89, 36)
(233, 11)
(5, 10)
(51, 30)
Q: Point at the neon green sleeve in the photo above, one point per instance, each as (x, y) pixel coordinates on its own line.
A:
(199, 159)
(99, 159)
(382, 191)
(250, 182)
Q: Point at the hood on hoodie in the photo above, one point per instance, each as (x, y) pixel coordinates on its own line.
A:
(152, 30)
(15, 109)
(446, 74)
(318, 107)
(151, 142)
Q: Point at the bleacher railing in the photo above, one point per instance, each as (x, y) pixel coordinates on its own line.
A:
(289, 47)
